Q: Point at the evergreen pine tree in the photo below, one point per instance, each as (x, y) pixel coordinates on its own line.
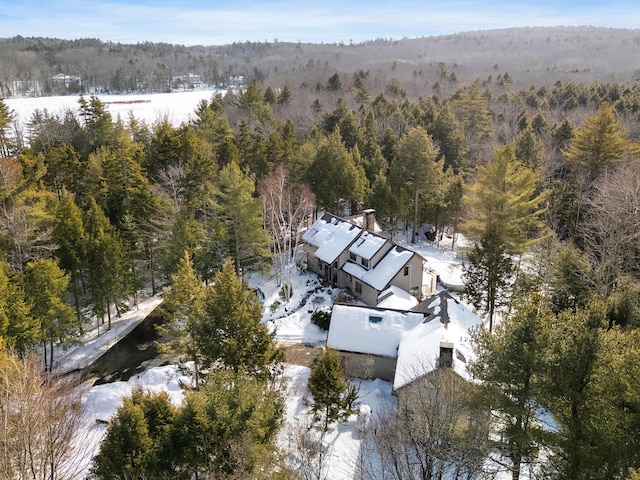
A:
(227, 429)
(46, 290)
(510, 363)
(505, 208)
(18, 328)
(185, 303)
(241, 214)
(334, 175)
(487, 275)
(137, 439)
(596, 148)
(417, 172)
(571, 390)
(334, 398)
(111, 280)
(232, 334)
(70, 236)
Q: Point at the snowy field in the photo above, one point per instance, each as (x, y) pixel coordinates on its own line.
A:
(291, 322)
(177, 107)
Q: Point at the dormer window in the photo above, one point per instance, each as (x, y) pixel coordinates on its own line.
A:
(353, 257)
(365, 263)
(375, 319)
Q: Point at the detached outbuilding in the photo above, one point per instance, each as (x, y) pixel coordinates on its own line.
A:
(368, 338)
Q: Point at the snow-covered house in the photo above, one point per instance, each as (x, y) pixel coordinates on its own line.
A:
(368, 338)
(397, 267)
(65, 80)
(403, 347)
(442, 340)
(326, 245)
(188, 81)
(358, 259)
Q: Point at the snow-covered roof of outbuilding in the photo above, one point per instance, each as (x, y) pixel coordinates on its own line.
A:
(369, 330)
(448, 322)
(384, 271)
(331, 235)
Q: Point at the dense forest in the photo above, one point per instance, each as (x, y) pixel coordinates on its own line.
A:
(525, 140)
(531, 56)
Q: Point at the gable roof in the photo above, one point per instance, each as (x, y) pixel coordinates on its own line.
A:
(447, 321)
(367, 245)
(331, 235)
(384, 271)
(352, 330)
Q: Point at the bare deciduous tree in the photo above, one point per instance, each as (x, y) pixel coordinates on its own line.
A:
(611, 229)
(287, 207)
(39, 416)
(435, 432)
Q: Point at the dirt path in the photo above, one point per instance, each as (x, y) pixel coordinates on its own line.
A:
(302, 354)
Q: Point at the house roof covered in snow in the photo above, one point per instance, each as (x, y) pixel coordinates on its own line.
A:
(447, 322)
(370, 330)
(367, 245)
(384, 271)
(331, 235)
(396, 298)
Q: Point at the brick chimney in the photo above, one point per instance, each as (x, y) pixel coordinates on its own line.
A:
(369, 219)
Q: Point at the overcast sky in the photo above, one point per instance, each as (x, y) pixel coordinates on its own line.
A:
(215, 22)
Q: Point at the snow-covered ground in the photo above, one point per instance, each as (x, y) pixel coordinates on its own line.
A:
(177, 107)
(293, 325)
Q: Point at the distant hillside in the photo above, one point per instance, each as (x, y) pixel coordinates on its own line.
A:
(537, 55)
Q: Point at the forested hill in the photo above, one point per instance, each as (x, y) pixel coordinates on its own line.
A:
(530, 56)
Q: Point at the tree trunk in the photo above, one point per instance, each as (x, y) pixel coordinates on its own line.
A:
(515, 471)
(51, 356)
(415, 217)
(152, 272)
(492, 308)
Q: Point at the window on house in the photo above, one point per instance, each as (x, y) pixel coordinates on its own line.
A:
(406, 271)
(352, 256)
(460, 356)
(365, 263)
(358, 288)
(375, 319)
